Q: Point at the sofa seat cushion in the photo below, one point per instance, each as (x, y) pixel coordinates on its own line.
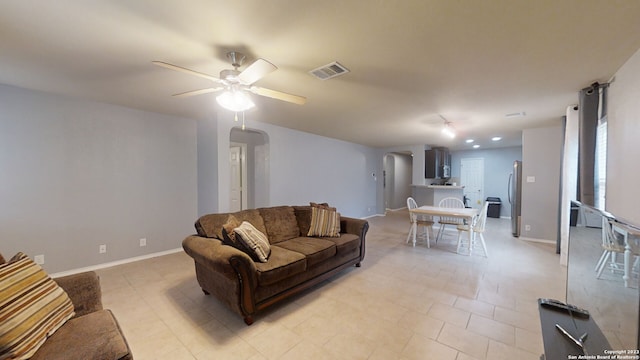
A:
(345, 243)
(316, 250)
(92, 336)
(282, 264)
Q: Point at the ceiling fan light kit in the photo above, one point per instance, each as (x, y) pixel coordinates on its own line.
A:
(236, 85)
(447, 129)
(235, 101)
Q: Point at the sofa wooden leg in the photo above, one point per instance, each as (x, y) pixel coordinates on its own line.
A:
(205, 292)
(248, 320)
(358, 265)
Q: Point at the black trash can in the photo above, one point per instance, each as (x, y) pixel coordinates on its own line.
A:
(493, 211)
(573, 219)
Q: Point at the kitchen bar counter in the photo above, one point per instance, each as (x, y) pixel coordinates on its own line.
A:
(432, 194)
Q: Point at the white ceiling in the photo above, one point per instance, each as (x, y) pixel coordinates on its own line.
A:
(411, 61)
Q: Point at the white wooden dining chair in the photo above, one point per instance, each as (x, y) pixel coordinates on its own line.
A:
(610, 247)
(449, 202)
(477, 229)
(613, 246)
(420, 220)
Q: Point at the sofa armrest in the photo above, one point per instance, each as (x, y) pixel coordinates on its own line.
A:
(354, 226)
(357, 227)
(224, 259)
(83, 290)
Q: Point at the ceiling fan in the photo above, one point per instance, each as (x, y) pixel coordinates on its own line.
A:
(236, 84)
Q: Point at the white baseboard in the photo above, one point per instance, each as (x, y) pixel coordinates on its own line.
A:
(115, 263)
(544, 241)
(372, 216)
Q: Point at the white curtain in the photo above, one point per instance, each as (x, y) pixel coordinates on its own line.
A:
(569, 177)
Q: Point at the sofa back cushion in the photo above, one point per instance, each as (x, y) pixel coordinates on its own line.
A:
(211, 225)
(303, 216)
(280, 223)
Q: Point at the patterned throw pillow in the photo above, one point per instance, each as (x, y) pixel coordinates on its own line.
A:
(32, 307)
(254, 240)
(229, 235)
(325, 221)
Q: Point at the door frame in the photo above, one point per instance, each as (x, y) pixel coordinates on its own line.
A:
(243, 173)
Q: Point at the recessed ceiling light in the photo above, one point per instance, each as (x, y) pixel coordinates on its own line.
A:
(469, 141)
(496, 138)
(476, 146)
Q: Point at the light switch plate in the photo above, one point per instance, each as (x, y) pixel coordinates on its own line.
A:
(531, 179)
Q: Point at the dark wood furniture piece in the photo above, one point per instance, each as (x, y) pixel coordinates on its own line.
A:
(557, 346)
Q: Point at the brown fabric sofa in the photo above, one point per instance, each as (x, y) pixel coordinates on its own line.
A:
(297, 262)
(93, 333)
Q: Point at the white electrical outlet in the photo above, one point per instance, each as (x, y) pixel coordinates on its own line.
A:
(143, 242)
(39, 259)
(527, 228)
(102, 249)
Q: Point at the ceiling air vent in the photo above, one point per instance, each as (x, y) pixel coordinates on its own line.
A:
(329, 71)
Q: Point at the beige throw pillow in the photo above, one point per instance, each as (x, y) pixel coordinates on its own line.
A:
(32, 307)
(325, 221)
(254, 240)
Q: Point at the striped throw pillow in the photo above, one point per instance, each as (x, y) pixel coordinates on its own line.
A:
(32, 307)
(254, 240)
(325, 222)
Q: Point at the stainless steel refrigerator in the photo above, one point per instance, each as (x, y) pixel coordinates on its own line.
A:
(515, 197)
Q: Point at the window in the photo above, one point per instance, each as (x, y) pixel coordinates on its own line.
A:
(600, 173)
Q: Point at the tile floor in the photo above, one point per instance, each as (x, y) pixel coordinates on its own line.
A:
(403, 303)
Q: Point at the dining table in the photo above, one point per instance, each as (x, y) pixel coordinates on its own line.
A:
(467, 214)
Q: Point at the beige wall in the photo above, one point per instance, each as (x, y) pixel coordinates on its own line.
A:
(541, 155)
(75, 174)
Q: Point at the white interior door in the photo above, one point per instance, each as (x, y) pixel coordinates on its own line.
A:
(237, 196)
(472, 178)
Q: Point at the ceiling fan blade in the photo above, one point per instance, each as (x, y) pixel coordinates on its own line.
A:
(187, 71)
(300, 100)
(256, 71)
(198, 92)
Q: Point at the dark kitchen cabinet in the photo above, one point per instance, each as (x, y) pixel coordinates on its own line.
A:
(437, 163)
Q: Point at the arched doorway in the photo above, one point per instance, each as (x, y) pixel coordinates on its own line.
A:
(398, 172)
(249, 169)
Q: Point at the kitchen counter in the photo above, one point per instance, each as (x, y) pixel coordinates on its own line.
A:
(432, 194)
(441, 186)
